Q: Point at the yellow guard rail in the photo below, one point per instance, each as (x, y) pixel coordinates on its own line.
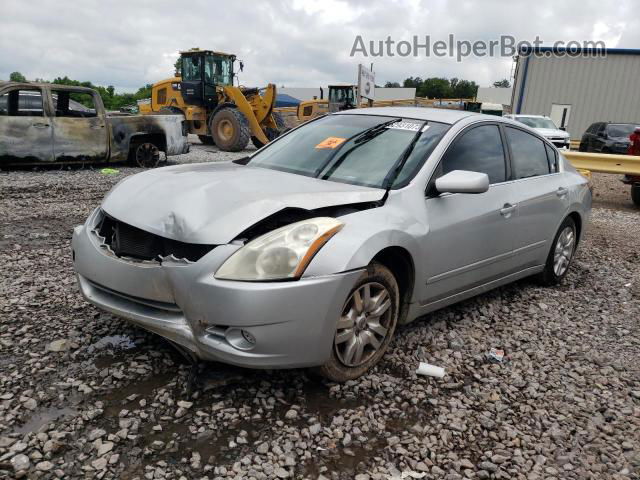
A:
(604, 163)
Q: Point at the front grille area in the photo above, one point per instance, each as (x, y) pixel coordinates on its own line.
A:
(128, 241)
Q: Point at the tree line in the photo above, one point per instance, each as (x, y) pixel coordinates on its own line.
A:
(439, 87)
(111, 99)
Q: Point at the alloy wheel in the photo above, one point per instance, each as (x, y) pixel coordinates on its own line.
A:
(563, 251)
(363, 325)
(147, 155)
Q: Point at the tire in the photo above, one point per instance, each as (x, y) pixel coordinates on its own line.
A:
(145, 154)
(582, 147)
(206, 140)
(556, 269)
(635, 195)
(280, 123)
(270, 132)
(347, 361)
(230, 129)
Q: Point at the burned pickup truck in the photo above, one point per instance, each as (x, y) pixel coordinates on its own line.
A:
(46, 123)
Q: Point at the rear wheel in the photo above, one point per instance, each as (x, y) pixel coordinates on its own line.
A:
(366, 325)
(635, 195)
(230, 129)
(146, 155)
(561, 254)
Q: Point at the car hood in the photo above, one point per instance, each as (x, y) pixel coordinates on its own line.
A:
(213, 203)
(551, 132)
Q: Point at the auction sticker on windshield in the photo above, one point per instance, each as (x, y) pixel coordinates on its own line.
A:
(331, 142)
(413, 127)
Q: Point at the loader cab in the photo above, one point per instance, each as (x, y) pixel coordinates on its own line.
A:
(202, 72)
(342, 97)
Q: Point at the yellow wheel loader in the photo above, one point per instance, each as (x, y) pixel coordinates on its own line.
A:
(341, 97)
(214, 109)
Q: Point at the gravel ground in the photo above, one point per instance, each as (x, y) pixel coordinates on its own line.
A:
(85, 395)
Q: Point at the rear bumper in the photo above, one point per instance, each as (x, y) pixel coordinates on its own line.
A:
(292, 323)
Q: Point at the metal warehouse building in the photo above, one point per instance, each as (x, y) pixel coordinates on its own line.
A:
(576, 90)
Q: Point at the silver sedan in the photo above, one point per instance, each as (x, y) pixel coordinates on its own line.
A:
(312, 250)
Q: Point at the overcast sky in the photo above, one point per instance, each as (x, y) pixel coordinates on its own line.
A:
(297, 43)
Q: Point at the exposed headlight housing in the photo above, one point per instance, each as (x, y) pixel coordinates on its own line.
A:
(282, 254)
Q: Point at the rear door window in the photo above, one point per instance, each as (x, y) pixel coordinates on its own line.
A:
(528, 154)
(21, 103)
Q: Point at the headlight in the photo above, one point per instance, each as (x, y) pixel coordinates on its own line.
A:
(281, 254)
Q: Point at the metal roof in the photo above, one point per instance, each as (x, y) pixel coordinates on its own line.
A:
(526, 50)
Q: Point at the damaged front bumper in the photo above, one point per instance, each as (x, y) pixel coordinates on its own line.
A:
(251, 324)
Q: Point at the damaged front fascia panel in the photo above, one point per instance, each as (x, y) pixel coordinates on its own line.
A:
(132, 244)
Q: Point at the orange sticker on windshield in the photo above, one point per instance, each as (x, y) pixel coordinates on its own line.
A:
(331, 142)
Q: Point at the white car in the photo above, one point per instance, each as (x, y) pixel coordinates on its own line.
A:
(545, 127)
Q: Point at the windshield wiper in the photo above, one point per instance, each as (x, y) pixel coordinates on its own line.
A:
(359, 139)
(399, 164)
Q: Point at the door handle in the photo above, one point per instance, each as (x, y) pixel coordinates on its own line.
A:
(40, 125)
(507, 209)
(95, 127)
(561, 192)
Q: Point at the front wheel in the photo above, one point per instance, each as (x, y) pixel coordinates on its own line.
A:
(561, 254)
(270, 132)
(366, 325)
(230, 129)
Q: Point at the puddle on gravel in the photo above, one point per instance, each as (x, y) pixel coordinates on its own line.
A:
(115, 342)
(319, 402)
(43, 417)
(216, 446)
(114, 347)
(117, 399)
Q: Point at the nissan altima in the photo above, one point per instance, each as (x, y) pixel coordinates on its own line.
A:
(311, 251)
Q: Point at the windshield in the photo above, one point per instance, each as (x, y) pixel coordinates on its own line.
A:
(537, 122)
(350, 149)
(218, 70)
(191, 68)
(620, 129)
(341, 95)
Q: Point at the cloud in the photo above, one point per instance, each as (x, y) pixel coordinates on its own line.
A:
(297, 43)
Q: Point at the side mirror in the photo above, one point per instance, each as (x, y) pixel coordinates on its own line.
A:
(564, 129)
(241, 63)
(463, 181)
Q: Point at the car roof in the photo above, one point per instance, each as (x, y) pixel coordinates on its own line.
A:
(443, 115)
(516, 115)
(37, 85)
